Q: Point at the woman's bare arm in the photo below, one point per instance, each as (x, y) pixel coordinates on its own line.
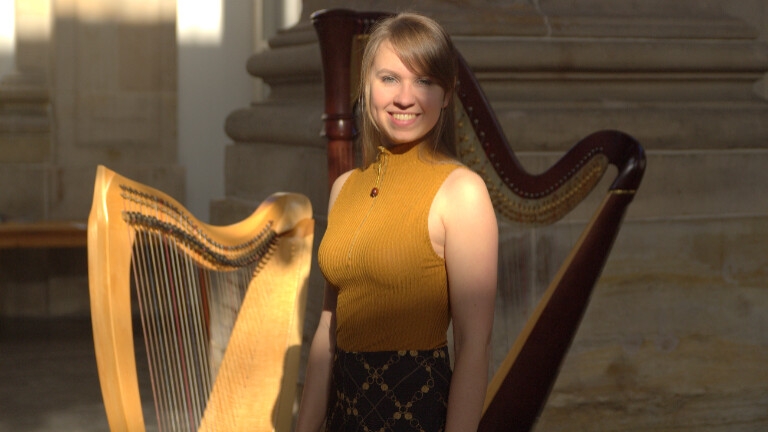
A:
(471, 254)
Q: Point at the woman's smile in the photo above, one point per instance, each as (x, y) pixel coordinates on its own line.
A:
(403, 117)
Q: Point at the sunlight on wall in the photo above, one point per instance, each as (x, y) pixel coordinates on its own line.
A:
(33, 20)
(291, 12)
(124, 11)
(7, 25)
(89, 11)
(7, 35)
(269, 17)
(143, 11)
(199, 22)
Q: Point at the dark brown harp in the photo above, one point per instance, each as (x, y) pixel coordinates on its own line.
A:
(220, 308)
(521, 385)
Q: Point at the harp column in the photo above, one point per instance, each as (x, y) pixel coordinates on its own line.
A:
(687, 79)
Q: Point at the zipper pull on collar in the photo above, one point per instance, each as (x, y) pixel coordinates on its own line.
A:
(381, 162)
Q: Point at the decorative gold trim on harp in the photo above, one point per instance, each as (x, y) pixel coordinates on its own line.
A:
(533, 211)
(623, 191)
(138, 235)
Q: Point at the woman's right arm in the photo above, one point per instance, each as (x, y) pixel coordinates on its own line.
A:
(317, 381)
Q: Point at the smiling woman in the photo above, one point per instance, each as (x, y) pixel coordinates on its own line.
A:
(411, 246)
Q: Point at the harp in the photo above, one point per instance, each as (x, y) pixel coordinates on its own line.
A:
(219, 309)
(523, 379)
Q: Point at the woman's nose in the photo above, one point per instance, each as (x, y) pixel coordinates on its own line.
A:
(404, 96)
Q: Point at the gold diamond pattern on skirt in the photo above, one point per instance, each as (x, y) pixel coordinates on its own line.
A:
(389, 391)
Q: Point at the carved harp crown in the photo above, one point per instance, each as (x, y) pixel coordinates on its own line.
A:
(220, 309)
(523, 380)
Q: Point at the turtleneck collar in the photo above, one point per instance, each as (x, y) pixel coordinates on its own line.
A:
(400, 149)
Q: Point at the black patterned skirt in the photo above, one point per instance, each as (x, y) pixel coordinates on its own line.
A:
(389, 391)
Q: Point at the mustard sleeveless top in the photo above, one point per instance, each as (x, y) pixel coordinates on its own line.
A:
(392, 286)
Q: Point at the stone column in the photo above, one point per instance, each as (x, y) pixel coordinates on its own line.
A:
(25, 123)
(95, 84)
(115, 88)
(673, 331)
(25, 156)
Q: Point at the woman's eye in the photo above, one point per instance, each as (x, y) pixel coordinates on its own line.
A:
(388, 79)
(424, 82)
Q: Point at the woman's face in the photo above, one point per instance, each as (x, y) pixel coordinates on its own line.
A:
(405, 106)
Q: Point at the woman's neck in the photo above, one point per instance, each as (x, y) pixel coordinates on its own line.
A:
(403, 148)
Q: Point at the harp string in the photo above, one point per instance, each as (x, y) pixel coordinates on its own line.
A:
(189, 290)
(188, 293)
(166, 349)
(139, 273)
(200, 340)
(529, 258)
(514, 289)
(161, 347)
(194, 330)
(161, 383)
(174, 331)
(148, 309)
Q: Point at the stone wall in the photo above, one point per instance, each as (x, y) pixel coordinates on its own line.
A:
(95, 84)
(673, 338)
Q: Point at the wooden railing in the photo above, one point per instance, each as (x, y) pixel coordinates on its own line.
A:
(43, 234)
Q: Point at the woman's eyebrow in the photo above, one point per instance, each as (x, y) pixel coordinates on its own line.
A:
(385, 71)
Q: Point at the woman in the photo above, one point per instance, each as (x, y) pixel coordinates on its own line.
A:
(411, 245)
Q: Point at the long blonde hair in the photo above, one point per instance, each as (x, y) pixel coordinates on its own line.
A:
(425, 49)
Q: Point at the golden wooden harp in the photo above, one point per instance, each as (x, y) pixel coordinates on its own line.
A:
(524, 378)
(219, 309)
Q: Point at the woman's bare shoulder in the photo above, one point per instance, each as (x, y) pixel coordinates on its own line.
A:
(464, 184)
(338, 184)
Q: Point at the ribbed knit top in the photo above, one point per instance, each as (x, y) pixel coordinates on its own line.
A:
(392, 286)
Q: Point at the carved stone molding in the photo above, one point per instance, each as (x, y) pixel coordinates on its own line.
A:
(564, 18)
(690, 54)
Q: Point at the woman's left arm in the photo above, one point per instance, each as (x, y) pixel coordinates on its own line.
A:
(471, 255)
